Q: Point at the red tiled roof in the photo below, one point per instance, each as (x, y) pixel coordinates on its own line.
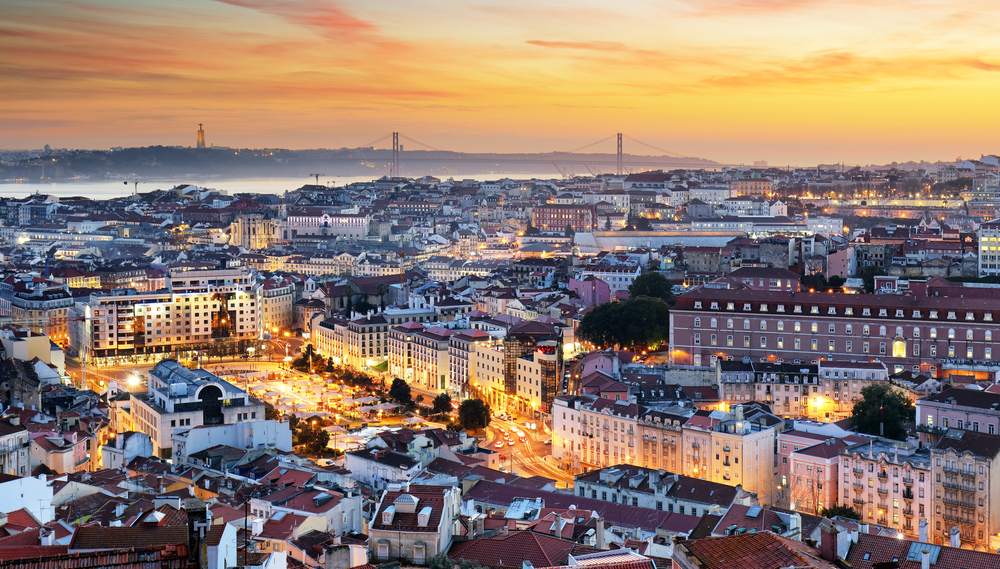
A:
(763, 550)
(540, 549)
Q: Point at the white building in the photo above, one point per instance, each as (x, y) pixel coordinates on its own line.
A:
(259, 435)
(989, 249)
(415, 522)
(714, 195)
(15, 447)
(179, 399)
(32, 494)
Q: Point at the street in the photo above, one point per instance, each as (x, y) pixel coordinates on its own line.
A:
(527, 458)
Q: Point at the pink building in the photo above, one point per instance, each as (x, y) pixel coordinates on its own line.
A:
(814, 475)
(591, 290)
(840, 263)
(958, 408)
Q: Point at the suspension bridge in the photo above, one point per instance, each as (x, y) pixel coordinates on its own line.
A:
(616, 154)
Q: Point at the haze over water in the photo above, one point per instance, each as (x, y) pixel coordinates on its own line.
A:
(108, 189)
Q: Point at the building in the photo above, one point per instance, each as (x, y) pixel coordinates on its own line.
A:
(199, 307)
(556, 218)
(915, 333)
(275, 301)
(315, 222)
(742, 451)
(989, 249)
(431, 358)
(15, 447)
(461, 367)
(966, 483)
(523, 340)
(255, 231)
(538, 379)
(957, 408)
(125, 447)
(891, 484)
(414, 522)
(758, 187)
(658, 490)
(618, 275)
(376, 467)
(179, 399)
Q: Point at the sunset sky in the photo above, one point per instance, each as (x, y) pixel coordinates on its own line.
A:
(788, 81)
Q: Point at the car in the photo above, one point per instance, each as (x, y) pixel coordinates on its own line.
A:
(499, 444)
(548, 441)
(510, 442)
(522, 438)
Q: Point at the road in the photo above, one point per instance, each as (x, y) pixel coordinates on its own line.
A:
(525, 459)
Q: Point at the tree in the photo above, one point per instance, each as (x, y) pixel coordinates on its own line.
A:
(836, 282)
(881, 406)
(474, 414)
(570, 232)
(814, 281)
(349, 293)
(314, 438)
(400, 391)
(270, 413)
(868, 275)
(842, 511)
(653, 285)
(382, 289)
(639, 323)
(442, 404)
(531, 229)
(607, 223)
(453, 227)
(643, 224)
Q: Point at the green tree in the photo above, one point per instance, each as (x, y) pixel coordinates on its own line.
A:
(270, 413)
(643, 224)
(313, 437)
(293, 422)
(882, 406)
(400, 391)
(382, 289)
(607, 223)
(638, 323)
(531, 229)
(868, 275)
(442, 404)
(842, 511)
(653, 285)
(474, 414)
(814, 281)
(453, 226)
(836, 283)
(349, 292)
(569, 231)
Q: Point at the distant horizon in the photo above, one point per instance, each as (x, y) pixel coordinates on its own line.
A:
(748, 164)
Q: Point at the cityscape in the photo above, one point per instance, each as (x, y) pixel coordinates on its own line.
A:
(325, 285)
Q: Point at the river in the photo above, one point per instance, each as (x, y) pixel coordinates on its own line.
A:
(107, 189)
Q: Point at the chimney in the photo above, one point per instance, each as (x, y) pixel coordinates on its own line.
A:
(956, 538)
(527, 565)
(854, 535)
(925, 559)
(198, 524)
(828, 542)
(14, 419)
(599, 534)
(923, 530)
(795, 527)
(738, 411)
(45, 537)
(862, 528)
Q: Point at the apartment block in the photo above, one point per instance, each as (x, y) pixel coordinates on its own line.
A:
(958, 408)
(199, 307)
(966, 483)
(915, 333)
(889, 483)
(555, 218)
(659, 490)
(461, 347)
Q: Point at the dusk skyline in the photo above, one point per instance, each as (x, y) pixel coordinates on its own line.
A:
(790, 82)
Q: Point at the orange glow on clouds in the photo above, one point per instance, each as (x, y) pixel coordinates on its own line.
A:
(789, 81)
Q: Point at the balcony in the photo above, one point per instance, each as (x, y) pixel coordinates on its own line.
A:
(883, 522)
(859, 471)
(726, 463)
(908, 512)
(725, 448)
(959, 487)
(907, 494)
(929, 429)
(959, 519)
(959, 503)
(883, 491)
(860, 501)
(908, 481)
(882, 475)
(858, 487)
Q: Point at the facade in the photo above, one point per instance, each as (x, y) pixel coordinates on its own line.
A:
(523, 340)
(618, 276)
(414, 522)
(180, 398)
(760, 187)
(255, 231)
(989, 249)
(912, 333)
(15, 447)
(537, 378)
(486, 372)
(957, 408)
(200, 307)
(310, 223)
(658, 490)
(431, 358)
(461, 367)
(889, 483)
(966, 483)
(275, 301)
(44, 310)
(555, 218)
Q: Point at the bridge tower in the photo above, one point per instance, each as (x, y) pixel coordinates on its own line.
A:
(618, 163)
(395, 155)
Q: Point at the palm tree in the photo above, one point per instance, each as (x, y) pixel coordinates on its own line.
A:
(382, 289)
(349, 293)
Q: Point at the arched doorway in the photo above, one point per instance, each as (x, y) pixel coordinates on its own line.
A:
(211, 399)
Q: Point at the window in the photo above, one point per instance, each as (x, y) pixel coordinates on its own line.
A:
(715, 323)
(849, 329)
(968, 335)
(746, 341)
(763, 341)
(881, 331)
(781, 325)
(746, 324)
(729, 323)
(815, 344)
(832, 328)
(729, 340)
(781, 343)
(951, 333)
(881, 347)
(814, 327)
(848, 346)
(697, 322)
(763, 324)
(865, 331)
(798, 343)
(697, 339)
(833, 345)
(798, 326)
(714, 340)
(865, 347)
